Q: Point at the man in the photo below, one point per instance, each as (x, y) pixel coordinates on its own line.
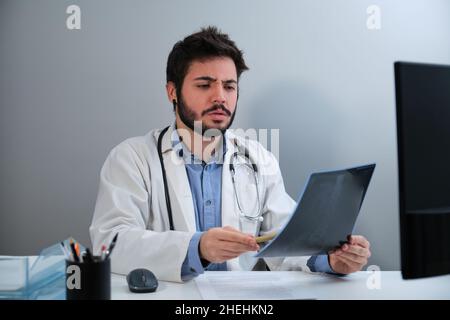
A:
(172, 195)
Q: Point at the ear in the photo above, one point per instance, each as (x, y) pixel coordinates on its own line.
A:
(171, 91)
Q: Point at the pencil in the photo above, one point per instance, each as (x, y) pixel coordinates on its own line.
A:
(266, 237)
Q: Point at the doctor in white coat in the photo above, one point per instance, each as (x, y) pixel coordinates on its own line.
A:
(170, 194)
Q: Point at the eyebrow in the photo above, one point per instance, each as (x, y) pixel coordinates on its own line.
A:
(207, 78)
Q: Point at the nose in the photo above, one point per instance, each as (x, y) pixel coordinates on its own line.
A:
(218, 95)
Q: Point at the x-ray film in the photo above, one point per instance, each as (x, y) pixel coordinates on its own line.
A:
(325, 214)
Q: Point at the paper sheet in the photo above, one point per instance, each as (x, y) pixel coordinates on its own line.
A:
(257, 285)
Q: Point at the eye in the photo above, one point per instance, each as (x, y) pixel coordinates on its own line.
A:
(230, 88)
(203, 86)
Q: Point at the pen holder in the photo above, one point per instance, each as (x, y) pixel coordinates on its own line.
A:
(88, 280)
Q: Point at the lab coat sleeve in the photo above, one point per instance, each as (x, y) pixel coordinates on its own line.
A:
(123, 206)
(278, 206)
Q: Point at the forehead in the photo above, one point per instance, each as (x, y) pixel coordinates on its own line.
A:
(218, 68)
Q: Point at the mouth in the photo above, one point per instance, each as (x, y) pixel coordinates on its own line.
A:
(217, 115)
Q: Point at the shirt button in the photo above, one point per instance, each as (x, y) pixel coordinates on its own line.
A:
(208, 202)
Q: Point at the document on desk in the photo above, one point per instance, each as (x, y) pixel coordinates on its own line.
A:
(325, 214)
(250, 285)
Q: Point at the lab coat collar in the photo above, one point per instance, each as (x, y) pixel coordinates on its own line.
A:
(166, 144)
(178, 185)
(231, 142)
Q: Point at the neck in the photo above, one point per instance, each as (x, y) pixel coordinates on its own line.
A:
(202, 147)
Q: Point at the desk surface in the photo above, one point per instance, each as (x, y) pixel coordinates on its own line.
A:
(323, 286)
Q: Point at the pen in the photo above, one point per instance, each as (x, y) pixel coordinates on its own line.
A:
(88, 255)
(77, 250)
(103, 253)
(74, 252)
(112, 245)
(266, 237)
(66, 254)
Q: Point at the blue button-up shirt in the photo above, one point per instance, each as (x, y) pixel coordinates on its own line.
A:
(205, 180)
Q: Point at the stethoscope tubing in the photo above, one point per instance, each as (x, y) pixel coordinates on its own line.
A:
(232, 171)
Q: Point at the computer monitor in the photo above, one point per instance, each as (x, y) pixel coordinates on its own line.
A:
(423, 136)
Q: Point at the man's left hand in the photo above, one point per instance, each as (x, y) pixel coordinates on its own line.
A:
(351, 256)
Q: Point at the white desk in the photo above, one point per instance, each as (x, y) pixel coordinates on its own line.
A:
(322, 286)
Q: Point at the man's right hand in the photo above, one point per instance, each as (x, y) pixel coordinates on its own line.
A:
(220, 244)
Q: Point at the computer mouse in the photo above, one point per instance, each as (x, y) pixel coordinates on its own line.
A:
(141, 281)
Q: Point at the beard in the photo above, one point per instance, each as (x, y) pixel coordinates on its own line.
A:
(188, 117)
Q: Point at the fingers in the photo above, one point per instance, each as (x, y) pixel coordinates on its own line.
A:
(221, 244)
(225, 234)
(228, 234)
(360, 260)
(228, 251)
(221, 254)
(353, 266)
(359, 240)
(235, 230)
(229, 228)
(355, 249)
(236, 247)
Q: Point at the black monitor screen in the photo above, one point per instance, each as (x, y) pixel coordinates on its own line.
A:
(423, 136)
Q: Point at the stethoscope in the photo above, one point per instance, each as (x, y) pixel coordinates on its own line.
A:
(251, 168)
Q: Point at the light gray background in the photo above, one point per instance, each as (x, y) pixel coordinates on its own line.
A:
(317, 73)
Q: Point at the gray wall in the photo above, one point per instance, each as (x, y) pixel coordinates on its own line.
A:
(317, 73)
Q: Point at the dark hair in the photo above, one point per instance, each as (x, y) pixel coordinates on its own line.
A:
(208, 43)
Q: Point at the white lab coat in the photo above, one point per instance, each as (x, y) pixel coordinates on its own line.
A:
(131, 201)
